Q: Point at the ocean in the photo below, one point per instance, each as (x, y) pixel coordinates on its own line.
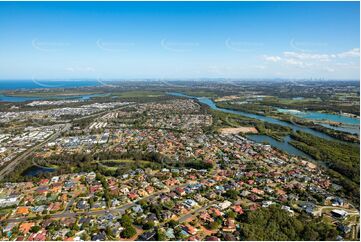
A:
(32, 84)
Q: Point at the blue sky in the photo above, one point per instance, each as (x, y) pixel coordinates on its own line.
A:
(179, 40)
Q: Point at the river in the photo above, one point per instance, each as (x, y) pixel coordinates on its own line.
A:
(348, 124)
(281, 145)
(284, 146)
(294, 127)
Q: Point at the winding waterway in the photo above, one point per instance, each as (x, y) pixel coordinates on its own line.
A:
(281, 145)
(284, 146)
(348, 124)
(294, 127)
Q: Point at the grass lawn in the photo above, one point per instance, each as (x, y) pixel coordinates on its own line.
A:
(115, 164)
(122, 161)
(138, 94)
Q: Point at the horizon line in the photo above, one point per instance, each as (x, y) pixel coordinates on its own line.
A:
(176, 79)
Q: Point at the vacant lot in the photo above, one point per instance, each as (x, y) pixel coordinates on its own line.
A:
(238, 130)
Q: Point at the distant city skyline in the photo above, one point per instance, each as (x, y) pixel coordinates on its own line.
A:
(169, 40)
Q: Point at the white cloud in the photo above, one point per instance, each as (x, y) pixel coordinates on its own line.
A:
(316, 60)
(307, 56)
(355, 52)
(294, 62)
(272, 58)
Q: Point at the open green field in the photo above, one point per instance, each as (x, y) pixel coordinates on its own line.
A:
(129, 94)
(113, 165)
(201, 93)
(121, 161)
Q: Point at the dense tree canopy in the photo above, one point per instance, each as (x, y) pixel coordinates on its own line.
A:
(274, 223)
